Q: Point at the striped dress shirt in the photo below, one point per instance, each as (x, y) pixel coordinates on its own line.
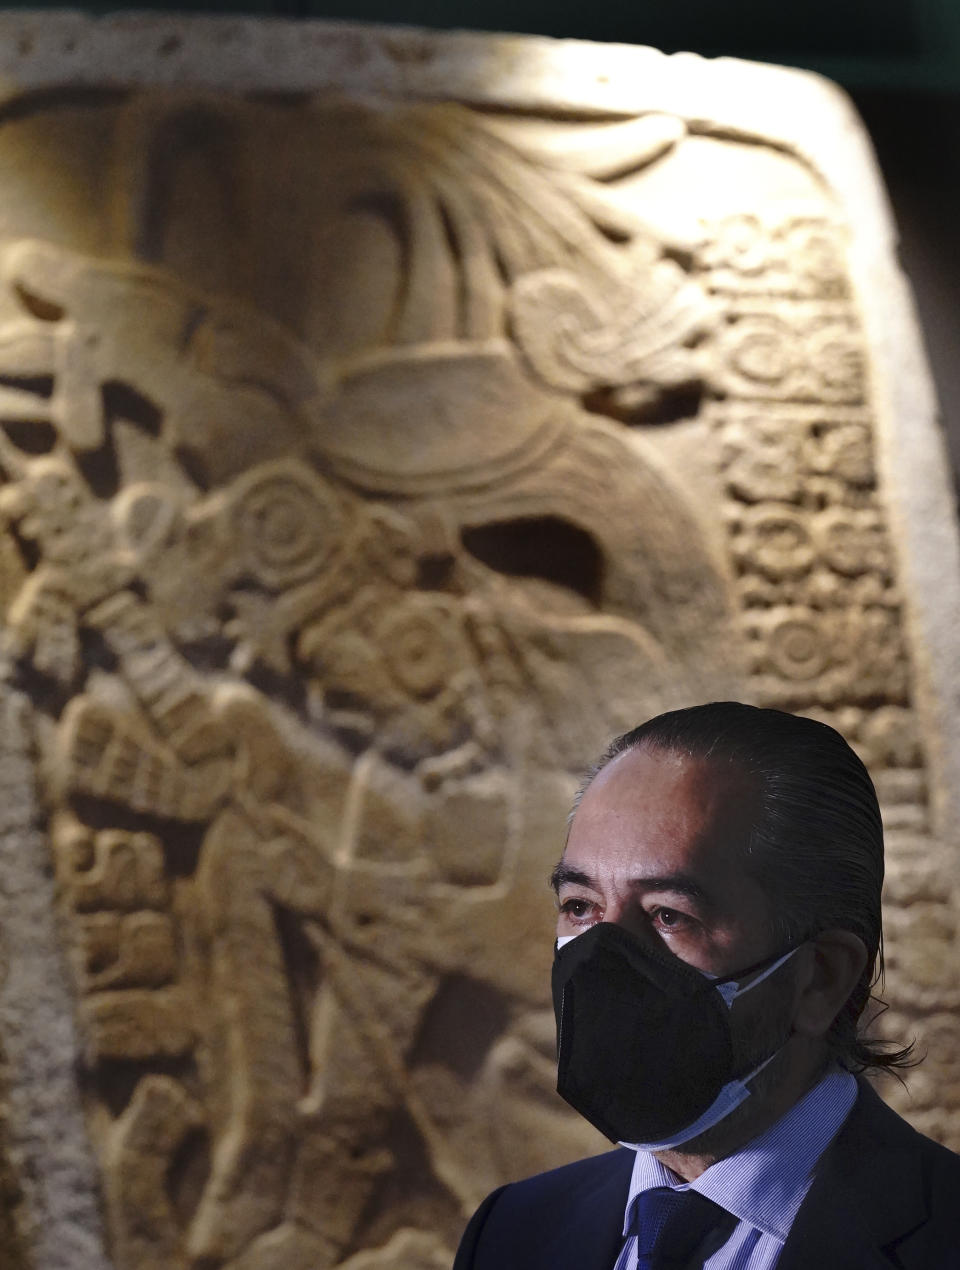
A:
(762, 1185)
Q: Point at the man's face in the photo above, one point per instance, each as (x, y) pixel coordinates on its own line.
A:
(658, 845)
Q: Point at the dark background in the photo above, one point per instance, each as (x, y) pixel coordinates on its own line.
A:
(898, 59)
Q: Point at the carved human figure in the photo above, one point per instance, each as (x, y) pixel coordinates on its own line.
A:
(323, 607)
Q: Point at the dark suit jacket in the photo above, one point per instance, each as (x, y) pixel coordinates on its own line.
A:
(884, 1198)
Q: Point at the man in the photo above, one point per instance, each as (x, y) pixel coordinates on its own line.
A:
(718, 935)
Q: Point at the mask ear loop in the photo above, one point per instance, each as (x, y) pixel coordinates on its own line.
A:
(733, 1095)
(730, 989)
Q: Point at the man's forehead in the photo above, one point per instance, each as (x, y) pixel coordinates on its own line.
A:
(647, 777)
(675, 810)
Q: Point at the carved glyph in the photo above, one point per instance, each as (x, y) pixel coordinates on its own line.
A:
(367, 461)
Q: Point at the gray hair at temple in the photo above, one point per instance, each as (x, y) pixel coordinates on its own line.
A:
(816, 843)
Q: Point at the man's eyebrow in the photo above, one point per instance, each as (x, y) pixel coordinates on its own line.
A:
(679, 883)
(564, 875)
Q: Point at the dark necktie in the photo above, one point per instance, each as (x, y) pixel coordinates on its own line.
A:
(670, 1225)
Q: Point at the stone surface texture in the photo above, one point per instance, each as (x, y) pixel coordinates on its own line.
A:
(387, 419)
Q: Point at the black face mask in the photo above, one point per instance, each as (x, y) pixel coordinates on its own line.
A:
(643, 1039)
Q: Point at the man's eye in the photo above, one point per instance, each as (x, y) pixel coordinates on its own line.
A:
(670, 919)
(577, 909)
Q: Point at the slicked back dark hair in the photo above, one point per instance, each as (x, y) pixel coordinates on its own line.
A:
(816, 843)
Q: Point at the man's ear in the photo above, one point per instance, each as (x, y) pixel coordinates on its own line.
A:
(832, 969)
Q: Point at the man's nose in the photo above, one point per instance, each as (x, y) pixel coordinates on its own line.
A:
(630, 915)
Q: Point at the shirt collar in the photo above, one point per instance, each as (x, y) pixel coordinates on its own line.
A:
(766, 1181)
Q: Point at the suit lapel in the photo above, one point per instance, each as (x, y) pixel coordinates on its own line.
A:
(867, 1194)
(588, 1235)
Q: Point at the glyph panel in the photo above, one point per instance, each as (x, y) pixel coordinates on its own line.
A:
(378, 435)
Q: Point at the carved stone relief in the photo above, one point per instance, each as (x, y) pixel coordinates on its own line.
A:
(368, 460)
